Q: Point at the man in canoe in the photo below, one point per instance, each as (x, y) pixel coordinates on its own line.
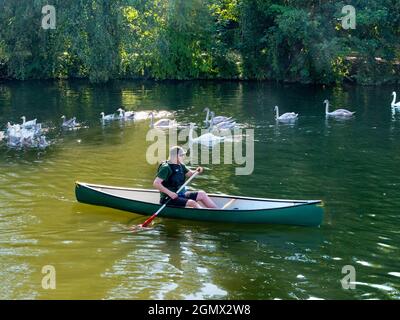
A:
(171, 176)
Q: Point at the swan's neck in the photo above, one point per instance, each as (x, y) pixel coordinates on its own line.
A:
(326, 107)
(212, 120)
(191, 134)
(394, 98)
(208, 115)
(152, 121)
(276, 113)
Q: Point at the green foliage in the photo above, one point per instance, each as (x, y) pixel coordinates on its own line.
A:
(284, 40)
(184, 44)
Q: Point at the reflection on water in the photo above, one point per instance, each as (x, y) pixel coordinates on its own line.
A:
(352, 165)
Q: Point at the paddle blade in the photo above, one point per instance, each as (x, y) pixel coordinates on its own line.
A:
(144, 224)
(148, 221)
(138, 227)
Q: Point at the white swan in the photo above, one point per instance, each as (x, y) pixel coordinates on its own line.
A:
(71, 123)
(216, 119)
(121, 113)
(27, 141)
(135, 115)
(23, 137)
(1, 135)
(42, 144)
(27, 124)
(163, 114)
(141, 115)
(338, 112)
(224, 125)
(13, 142)
(37, 129)
(108, 117)
(162, 123)
(288, 116)
(395, 104)
(207, 139)
(12, 130)
(126, 115)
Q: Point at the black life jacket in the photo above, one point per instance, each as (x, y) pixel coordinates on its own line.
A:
(176, 178)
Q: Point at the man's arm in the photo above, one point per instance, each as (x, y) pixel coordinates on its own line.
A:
(191, 172)
(158, 185)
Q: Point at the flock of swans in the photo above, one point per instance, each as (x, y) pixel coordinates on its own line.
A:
(291, 116)
(216, 124)
(31, 134)
(339, 113)
(27, 134)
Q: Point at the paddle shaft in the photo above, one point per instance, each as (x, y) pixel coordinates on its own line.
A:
(149, 220)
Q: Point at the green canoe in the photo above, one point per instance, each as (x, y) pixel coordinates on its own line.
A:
(234, 209)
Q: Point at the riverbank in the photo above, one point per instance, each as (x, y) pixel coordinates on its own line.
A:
(381, 73)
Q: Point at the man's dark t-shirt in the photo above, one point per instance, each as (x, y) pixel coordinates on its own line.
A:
(166, 171)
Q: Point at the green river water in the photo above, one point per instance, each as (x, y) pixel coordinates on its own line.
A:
(353, 166)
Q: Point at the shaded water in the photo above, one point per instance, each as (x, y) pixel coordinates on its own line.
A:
(352, 165)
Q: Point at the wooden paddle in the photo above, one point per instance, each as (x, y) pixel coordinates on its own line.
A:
(149, 220)
(228, 204)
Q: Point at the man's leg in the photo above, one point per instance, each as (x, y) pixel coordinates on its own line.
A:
(193, 204)
(203, 197)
